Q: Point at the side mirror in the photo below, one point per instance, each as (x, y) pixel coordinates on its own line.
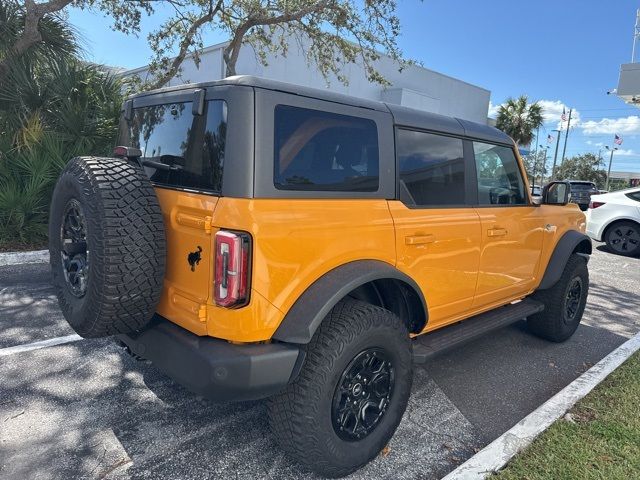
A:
(556, 193)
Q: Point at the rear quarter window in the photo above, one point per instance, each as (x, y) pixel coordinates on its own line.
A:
(634, 196)
(324, 151)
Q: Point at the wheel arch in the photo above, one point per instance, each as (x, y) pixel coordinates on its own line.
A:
(371, 281)
(571, 242)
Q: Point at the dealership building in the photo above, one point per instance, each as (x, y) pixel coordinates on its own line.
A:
(415, 86)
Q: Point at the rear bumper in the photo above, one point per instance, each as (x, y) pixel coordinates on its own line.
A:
(215, 368)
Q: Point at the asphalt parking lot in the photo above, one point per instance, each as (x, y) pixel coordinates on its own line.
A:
(87, 410)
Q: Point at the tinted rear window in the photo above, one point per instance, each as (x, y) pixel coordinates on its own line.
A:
(323, 151)
(576, 187)
(189, 147)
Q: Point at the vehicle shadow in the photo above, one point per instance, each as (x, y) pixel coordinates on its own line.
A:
(88, 410)
(604, 248)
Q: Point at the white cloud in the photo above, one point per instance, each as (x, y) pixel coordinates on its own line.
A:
(611, 126)
(493, 110)
(552, 113)
(595, 144)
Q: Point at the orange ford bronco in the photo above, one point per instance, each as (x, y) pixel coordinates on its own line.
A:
(257, 239)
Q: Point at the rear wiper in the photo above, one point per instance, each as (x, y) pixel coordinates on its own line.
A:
(159, 165)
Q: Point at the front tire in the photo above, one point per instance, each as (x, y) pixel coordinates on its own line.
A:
(564, 303)
(351, 393)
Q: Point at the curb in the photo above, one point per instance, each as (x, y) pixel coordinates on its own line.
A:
(497, 454)
(23, 258)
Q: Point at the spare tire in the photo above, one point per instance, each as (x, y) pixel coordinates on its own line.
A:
(107, 246)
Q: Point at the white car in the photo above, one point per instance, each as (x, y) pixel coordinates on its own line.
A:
(614, 218)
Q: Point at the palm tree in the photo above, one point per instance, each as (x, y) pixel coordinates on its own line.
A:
(519, 119)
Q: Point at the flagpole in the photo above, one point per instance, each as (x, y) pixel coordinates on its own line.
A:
(610, 162)
(566, 137)
(555, 155)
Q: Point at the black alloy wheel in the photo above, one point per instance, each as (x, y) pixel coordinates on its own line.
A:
(573, 299)
(363, 394)
(74, 252)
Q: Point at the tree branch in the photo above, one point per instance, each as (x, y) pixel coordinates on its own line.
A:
(232, 51)
(185, 44)
(34, 12)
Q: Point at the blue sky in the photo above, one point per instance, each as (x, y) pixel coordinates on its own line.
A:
(563, 53)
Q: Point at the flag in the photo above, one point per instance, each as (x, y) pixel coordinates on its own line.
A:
(617, 139)
(564, 115)
(549, 138)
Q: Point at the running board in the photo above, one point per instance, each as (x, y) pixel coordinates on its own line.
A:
(429, 344)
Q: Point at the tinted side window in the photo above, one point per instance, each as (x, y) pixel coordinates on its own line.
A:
(190, 148)
(431, 169)
(322, 151)
(499, 178)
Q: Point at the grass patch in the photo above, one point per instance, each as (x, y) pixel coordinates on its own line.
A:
(601, 441)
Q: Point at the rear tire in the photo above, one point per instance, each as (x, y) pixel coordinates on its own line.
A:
(106, 245)
(564, 303)
(623, 238)
(314, 418)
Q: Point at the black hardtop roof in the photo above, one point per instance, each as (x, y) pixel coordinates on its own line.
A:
(403, 116)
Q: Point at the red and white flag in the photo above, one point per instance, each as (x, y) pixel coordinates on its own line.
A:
(564, 115)
(617, 139)
(549, 138)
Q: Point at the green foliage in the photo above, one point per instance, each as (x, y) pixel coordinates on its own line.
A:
(536, 163)
(519, 119)
(587, 166)
(618, 184)
(52, 107)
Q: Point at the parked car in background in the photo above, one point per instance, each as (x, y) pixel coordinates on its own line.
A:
(614, 218)
(536, 191)
(581, 192)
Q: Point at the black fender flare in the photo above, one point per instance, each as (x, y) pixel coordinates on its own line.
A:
(306, 314)
(569, 243)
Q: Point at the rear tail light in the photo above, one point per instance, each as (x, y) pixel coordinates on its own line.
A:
(231, 281)
(593, 204)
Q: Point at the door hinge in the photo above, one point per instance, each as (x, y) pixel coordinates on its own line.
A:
(207, 224)
(202, 313)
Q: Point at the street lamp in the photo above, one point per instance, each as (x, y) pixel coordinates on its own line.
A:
(610, 162)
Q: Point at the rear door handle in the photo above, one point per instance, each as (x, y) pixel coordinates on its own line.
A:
(496, 232)
(419, 239)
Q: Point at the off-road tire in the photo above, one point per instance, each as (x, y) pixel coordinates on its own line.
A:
(125, 241)
(301, 416)
(625, 233)
(554, 323)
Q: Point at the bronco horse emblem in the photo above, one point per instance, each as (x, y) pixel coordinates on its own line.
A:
(194, 258)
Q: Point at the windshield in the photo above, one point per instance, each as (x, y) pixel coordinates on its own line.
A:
(179, 149)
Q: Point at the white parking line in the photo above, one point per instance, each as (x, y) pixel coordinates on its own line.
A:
(495, 456)
(21, 258)
(36, 345)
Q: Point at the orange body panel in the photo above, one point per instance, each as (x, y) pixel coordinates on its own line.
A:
(465, 260)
